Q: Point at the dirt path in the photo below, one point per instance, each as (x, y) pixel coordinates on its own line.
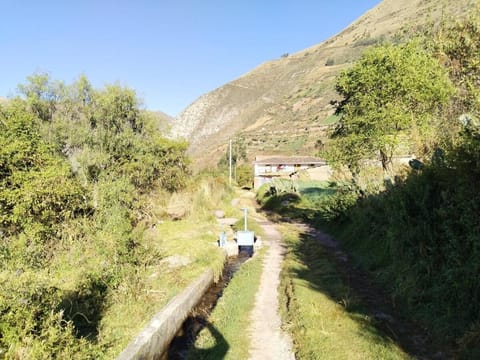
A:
(268, 339)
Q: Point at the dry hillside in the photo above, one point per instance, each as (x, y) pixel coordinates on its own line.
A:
(283, 106)
(163, 120)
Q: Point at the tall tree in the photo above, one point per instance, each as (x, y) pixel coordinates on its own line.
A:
(389, 91)
(41, 95)
(457, 45)
(37, 188)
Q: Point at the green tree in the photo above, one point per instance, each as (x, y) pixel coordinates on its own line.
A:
(239, 153)
(41, 95)
(391, 90)
(245, 175)
(76, 165)
(457, 45)
(37, 188)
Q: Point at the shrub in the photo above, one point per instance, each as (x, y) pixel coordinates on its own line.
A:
(245, 176)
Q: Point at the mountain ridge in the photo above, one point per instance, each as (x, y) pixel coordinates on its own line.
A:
(282, 106)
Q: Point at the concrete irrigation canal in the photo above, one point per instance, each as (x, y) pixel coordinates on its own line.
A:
(172, 332)
(198, 318)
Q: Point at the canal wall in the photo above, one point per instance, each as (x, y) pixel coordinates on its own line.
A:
(155, 338)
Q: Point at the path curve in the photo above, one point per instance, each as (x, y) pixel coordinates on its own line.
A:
(268, 340)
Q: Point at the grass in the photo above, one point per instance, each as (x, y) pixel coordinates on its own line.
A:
(225, 336)
(314, 190)
(186, 248)
(325, 318)
(332, 119)
(189, 249)
(299, 205)
(175, 253)
(109, 300)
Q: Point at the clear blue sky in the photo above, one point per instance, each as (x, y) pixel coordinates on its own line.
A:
(169, 51)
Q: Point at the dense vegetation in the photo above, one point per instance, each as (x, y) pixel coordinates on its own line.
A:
(77, 166)
(418, 231)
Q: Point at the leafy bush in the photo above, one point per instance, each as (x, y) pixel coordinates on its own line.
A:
(37, 188)
(76, 165)
(245, 175)
(45, 331)
(419, 235)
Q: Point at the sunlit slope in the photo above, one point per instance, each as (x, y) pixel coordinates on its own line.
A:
(283, 106)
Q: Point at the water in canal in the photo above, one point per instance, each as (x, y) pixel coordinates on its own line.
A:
(198, 318)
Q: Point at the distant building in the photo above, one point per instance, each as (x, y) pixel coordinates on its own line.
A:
(267, 168)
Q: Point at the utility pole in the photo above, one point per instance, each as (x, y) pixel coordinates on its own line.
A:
(230, 164)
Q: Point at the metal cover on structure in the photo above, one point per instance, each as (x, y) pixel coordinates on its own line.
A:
(245, 238)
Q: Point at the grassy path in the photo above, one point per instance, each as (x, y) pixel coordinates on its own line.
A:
(268, 340)
(296, 276)
(328, 318)
(246, 323)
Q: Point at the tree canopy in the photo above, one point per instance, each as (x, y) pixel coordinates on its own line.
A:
(391, 90)
(76, 164)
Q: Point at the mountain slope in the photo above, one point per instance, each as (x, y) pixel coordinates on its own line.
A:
(283, 106)
(163, 120)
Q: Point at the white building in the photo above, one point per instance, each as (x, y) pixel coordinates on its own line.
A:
(266, 168)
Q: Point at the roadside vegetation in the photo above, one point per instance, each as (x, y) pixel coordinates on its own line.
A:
(242, 172)
(414, 228)
(100, 220)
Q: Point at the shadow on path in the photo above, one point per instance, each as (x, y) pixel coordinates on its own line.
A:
(217, 351)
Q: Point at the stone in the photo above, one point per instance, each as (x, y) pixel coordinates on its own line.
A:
(219, 214)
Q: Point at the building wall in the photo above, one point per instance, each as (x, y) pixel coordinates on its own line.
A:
(273, 169)
(265, 173)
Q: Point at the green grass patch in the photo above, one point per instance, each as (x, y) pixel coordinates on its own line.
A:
(332, 119)
(313, 191)
(325, 318)
(302, 205)
(226, 335)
